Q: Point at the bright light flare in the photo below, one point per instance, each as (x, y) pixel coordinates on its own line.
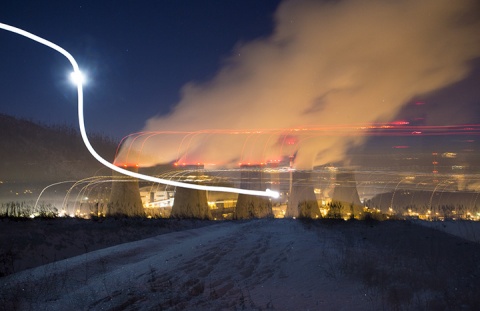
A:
(78, 78)
(273, 194)
(94, 153)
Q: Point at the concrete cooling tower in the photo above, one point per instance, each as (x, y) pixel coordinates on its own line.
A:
(346, 193)
(190, 203)
(302, 202)
(249, 206)
(125, 196)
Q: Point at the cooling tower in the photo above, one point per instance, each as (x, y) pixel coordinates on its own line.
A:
(125, 196)
(190, 203)
(302, 202)
(346, 193)
(249, 206)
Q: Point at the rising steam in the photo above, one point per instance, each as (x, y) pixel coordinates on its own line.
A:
(327, 63)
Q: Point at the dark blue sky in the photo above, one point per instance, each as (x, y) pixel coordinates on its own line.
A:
(137, 54)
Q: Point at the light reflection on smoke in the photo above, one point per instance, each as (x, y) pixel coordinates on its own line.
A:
(271, 146)
(338, 62)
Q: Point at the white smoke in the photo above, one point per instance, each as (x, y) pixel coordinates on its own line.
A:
(327, 63)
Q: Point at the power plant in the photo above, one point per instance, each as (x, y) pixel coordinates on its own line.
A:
(301, 196)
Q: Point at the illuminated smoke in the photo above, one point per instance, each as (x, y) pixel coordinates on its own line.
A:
(327, 62)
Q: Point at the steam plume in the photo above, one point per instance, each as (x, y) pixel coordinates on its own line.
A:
(327, 62)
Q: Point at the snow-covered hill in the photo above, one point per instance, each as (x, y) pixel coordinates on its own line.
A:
(262, 264)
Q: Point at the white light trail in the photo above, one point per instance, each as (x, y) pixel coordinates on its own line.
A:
(54, 184)
(77, 74)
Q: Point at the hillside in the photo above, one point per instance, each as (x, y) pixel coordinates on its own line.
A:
(32, 153)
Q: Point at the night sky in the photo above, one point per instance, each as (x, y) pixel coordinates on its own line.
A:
(197, 65)
(137, 55)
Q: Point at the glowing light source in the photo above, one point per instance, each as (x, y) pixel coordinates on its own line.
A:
(77, 77)
(79, 84)
(273, 194)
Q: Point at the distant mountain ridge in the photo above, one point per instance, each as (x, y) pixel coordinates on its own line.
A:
(32, 153)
